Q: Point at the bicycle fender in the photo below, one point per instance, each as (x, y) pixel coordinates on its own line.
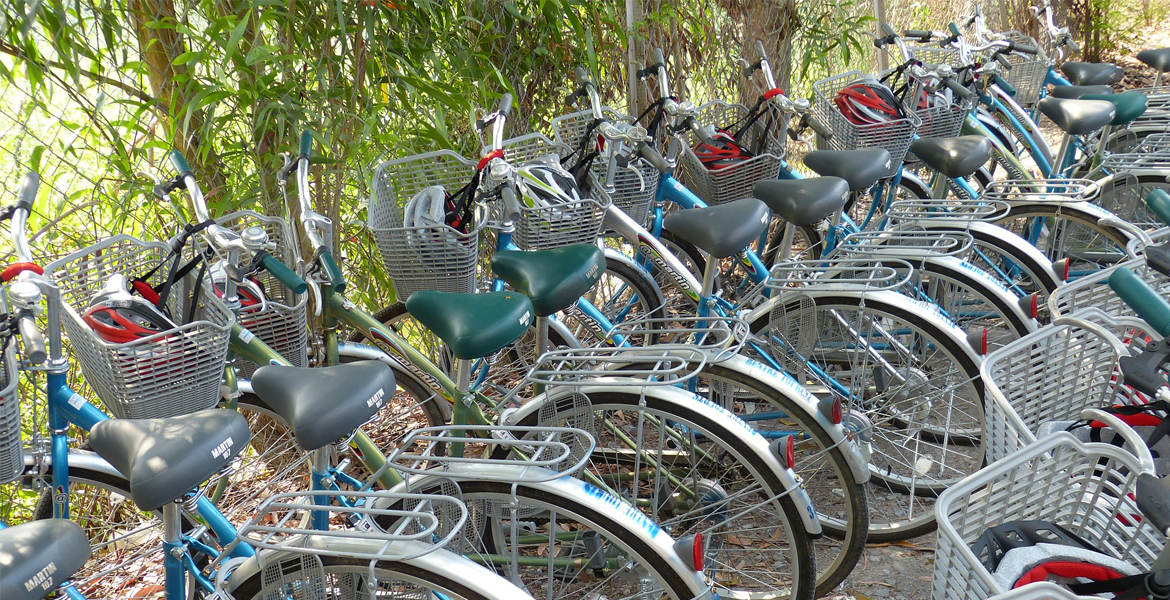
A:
(998, 237)
(958, 268)
(457, 568)
(551, 486)
(82, 459)
(764, 457)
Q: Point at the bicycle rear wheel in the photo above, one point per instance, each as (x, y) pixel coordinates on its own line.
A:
(694, 468)
(910, 385)
(341, 578)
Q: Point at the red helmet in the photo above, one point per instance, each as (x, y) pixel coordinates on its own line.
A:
(118, 317)
(868, 102)
(721, 152)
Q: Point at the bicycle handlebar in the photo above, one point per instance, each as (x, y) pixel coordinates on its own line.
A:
(958, 88)
(311, 221)
(24, 203)
(1146, 302)
(917, 34)
(283, 274)
(817, 126)
(582, 76)
(223, 238)
(1159, 203)
(511, 205)
(888, 29)
(31, 336)
(654, 157)
(658, 56)
(28, 191)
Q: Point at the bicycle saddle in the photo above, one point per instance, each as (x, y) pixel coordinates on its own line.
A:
(720, 230)
(955, 156)
(1078, 116)
(1084, 73)
(472, 325)
(38, 556)
(1076, 91)
(552, 279)
(804, 201)
(1129, 105)
(1158, 59)
(861, 169)
(163, 459)
(324, 405)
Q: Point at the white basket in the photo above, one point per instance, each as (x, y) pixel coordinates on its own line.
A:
(167, 374)
(635, 187)
(546, 227)
(765, 139)
(895, 135)
(1083, 487)
(1094, 291)
(422, 258)
(1050, 375)
(282, 323)
(11, 450)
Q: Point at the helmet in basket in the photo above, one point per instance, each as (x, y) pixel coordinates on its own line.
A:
(721, 152)
(1017, 553)
(543, 184)
(868, 103)
(119, 317)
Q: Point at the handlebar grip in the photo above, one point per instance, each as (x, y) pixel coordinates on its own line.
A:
(284, 274)
(819, 128)
(954, 29)
(760, 52)
(654, 157)
(1072, 44)
(182, 169)
(922, 36)
(511, 205)
(582, 76)
(889, 30)
(1142, 299)
(1026, 49)
(959, 89)
(657, 56)
(1159, 203)
(505, 105)
(34, 340)
(332, 271)
(28, 191)
(306, 147)
(1153, 499)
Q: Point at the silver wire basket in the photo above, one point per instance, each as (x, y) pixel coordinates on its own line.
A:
(1086, 488)
(1093, 291)
(171, 373)
(765, 138)
(1027, 72)
(437, 258)
(634, 187)
(281, 323)
(11, 450)
(894, 135)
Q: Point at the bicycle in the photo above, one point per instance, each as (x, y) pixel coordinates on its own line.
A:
(719, 428)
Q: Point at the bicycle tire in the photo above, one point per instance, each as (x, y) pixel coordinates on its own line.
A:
(962, 282)
(821, 465)
(422, 579)
(622, 402)
(558, 507)
(953, 454)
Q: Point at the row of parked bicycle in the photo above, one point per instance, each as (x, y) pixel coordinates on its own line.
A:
(602, 381)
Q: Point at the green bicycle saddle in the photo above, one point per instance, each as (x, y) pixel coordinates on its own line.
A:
(552, 279)
(472, 325)
(1130, 105)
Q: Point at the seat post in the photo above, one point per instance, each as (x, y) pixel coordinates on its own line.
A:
(1058, 158)
(938, 186)
(460, 412)
(785, 244)
(320, 462)
(174, 574)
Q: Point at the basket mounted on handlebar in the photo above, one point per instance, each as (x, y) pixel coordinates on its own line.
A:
(894, 135)
(171, 373)
(634, 186)
(11, 451)
(761, 134)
